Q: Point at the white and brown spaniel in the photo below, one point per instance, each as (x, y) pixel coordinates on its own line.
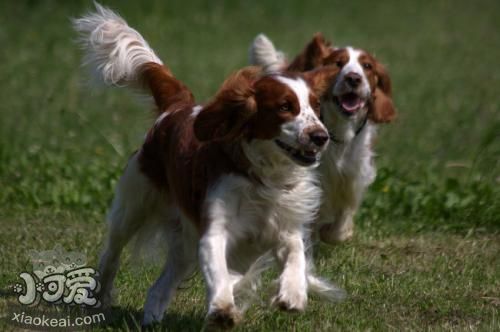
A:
(228, 181)
(357, 100)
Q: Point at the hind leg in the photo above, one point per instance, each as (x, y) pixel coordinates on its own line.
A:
(134, 200)
(181, 260)
(340, 230)
(110, 258)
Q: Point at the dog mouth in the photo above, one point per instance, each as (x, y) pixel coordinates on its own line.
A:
(303, 157)
(350, 103)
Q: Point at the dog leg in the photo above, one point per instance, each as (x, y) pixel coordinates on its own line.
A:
(181, 261)
(133, 203)
(340, 230)
(292, 294)
(222, 311)
(110, 262)
(123, 225)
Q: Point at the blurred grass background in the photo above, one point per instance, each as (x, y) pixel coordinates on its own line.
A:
(63, 145)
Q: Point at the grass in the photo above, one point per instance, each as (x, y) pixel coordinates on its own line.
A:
(425, 255)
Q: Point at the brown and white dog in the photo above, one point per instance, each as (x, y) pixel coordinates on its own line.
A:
(227, 181)
(358, 100)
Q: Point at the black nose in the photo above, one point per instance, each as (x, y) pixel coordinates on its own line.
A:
(319, 137)
(353, 79)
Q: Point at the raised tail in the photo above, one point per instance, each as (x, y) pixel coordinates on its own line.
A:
(263, 53)
(119, 56)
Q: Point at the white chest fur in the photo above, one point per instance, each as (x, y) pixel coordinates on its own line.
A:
(256, 215)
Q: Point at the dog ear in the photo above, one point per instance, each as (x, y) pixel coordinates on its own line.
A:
(225, 117)
(321, 79)
(381, 108)
(313, 55)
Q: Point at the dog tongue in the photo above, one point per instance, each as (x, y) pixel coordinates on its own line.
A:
(350, 102)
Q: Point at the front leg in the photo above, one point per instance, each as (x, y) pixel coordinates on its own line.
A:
(292, 294)
(222, 311)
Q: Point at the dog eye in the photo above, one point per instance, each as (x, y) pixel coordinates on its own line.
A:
(286, 107)
(367, 65)
(339, 64)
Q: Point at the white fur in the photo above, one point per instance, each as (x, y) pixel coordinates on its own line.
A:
(301, 91)
(136, 206)
(113, 49)
(160, 118)
(196, 110)
(258, 218)
(347, 168)
(263, 53)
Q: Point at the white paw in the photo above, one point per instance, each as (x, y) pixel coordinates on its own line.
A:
(222, 317)
(291, 300)
(332, 234)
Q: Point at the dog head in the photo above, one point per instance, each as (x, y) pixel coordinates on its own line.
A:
(278, 111)
(363, 84)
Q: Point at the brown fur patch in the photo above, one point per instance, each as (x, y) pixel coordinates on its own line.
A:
(313, 54)
(165, 89)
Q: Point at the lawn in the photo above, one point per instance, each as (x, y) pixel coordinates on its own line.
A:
(426, 250)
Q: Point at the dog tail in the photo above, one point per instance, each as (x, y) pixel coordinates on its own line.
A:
(263, 53)
(324, 289)
(247, 288)
(119, 56)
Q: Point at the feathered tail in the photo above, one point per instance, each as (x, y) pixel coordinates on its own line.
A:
(119, 56)
(263, 53)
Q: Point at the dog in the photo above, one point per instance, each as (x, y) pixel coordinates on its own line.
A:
(357, 101)
(227, 181)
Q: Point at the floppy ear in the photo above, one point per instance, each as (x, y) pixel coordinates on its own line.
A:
(313, 54)
(381, 108)
(321, 79)
(225, 117)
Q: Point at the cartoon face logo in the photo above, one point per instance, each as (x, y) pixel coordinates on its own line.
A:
(73, 260)
(55, 261)
(47, 262)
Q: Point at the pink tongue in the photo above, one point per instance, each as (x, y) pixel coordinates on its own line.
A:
(350, 102)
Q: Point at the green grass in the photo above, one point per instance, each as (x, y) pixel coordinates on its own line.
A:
(425, 255)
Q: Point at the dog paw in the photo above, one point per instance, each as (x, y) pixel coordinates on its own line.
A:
(332, 234)
(290, 301)
(222, 318)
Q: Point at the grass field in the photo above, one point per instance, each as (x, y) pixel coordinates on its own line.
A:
(426, 252)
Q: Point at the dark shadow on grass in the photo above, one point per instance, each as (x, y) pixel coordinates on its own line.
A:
(128, 318)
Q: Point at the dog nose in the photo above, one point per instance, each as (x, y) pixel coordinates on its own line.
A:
(353, 79)
(319, 137)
